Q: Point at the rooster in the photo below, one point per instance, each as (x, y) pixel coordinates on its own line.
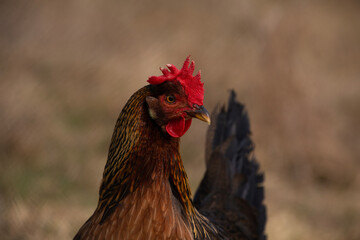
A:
(145, 193)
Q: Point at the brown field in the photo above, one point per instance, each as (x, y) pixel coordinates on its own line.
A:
(68, 67)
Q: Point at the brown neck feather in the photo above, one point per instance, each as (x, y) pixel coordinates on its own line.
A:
(140, 153)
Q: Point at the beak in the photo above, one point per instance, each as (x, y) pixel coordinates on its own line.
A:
(200, 113)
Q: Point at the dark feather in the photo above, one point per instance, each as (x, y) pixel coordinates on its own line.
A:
(231, 193)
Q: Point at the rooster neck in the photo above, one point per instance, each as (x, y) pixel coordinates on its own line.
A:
(141, 154)
(144, 175)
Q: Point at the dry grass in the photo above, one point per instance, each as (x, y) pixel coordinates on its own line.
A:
(67, 68)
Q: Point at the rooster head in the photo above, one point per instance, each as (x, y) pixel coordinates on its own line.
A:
(177, 97)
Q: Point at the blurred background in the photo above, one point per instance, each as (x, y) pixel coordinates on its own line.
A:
(68, 67)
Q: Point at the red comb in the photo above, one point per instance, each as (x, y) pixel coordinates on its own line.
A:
(192, 85)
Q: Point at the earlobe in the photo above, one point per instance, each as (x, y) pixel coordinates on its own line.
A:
(152, 101)
(153, 104)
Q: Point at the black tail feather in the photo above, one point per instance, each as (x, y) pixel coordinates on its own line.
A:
(230, 135)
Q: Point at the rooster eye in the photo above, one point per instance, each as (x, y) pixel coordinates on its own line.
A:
(170, 98)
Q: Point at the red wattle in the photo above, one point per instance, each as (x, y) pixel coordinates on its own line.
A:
(178, 127)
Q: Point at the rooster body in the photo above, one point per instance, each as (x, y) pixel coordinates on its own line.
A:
(145, 192)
